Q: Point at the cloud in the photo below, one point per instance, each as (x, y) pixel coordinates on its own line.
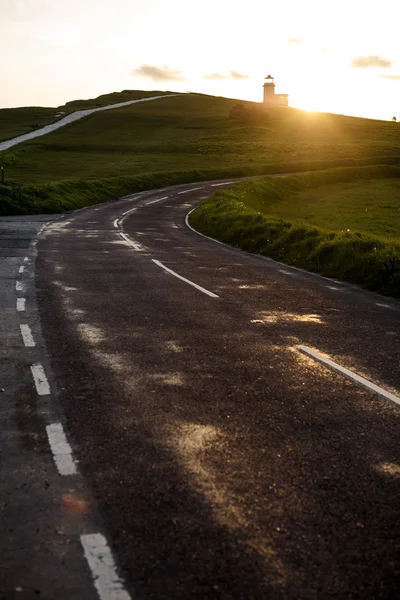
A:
(236, 75)
(391, 77)
(363, 62)
(163, 73)
(294, 41)
(232, 75)
(216, 76)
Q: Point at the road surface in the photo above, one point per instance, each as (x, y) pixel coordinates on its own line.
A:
(219, 453)
(71, 118)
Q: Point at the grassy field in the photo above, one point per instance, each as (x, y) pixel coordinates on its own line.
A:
(194, 132)
(371, 206)
(342, 223)
(17, 121)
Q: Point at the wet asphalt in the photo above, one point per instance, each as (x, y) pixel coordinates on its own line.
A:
(224, 463)
(41, 513)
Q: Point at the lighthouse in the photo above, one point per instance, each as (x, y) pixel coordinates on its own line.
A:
(270, 98)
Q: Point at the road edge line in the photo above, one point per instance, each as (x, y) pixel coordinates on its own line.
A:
(322, 358)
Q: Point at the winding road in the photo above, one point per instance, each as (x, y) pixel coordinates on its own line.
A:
(215, 424)
(71, 118)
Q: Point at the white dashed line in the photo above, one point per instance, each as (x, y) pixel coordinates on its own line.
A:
(103, 568)
(26, 259)
(198, 287)
(116, 223)
(218, 184)
(134, 245)
(19, 286)
(27, 336)
(158, 200)
(21, 269)
(127, 212)
(381, 305)
(61, 450)
(40, 379)
(349, 374)
(21, 304)
(191, 190)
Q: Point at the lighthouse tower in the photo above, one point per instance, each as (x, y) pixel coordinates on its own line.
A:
(270, 98)
(269, 90)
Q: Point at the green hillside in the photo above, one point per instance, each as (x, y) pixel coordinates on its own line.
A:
(17, 121)
(196, 132)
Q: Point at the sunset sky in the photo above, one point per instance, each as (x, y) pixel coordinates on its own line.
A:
(330, 55)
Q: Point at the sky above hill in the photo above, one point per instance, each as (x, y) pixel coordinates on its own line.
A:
(333, 55)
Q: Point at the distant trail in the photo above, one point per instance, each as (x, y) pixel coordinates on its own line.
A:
(75, 116)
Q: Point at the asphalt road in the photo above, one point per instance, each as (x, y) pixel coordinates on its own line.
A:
(42, 514)
(224, 462)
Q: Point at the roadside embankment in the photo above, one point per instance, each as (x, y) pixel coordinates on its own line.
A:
(244, 217)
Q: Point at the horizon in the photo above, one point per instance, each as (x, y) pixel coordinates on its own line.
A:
(192, 92)
(325, 58)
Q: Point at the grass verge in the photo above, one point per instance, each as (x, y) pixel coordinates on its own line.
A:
(244, 217)
(67, 195)
(70, 194)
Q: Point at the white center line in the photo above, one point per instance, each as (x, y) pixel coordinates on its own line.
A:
(102, 565)
(158, 200)
(19, 286)
(21, 304)
(349, 374)
(383, 305)
(21, 269)
(218, 184)
(127, 212)
(40, 379)
(26, 259)
(198, 287)
(61, 450)
(27, 336)
(134, 245)
(191, 190)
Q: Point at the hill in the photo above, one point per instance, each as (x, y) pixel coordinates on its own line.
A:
(179, 139)
(17, 121)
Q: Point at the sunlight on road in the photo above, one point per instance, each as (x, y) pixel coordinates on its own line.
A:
(283, 317)
(192, 442)
(389, 469)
